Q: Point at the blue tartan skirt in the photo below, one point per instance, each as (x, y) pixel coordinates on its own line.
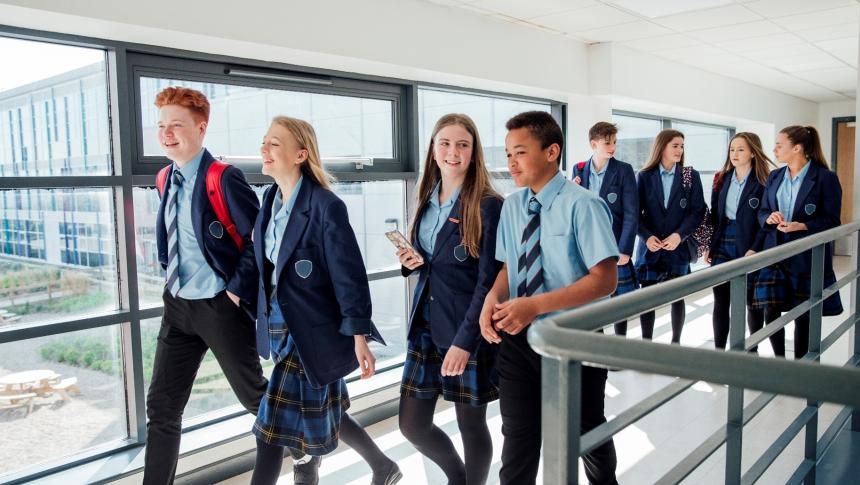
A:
(422, 371)
(295, 414)
(626, 279)
(726, 250)
(778, 287)
(660, 271)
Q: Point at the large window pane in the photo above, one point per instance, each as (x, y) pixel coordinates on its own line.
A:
(63, 394)
(374, 208)
(705, 149)
(57, 254)
(53, 110)
(635, 136)
(345, 126)
(389, 315)
(489, 113)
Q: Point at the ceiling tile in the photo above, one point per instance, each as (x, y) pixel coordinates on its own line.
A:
(821, 18)
(663, 43)
(848, 56)
(838, 31)
(837, 78)
(837, 44)
(737, 31)
(533, 8)
(712, 17)
(585, 19)
(619, 33)
(661, 8)
(783, 8)
(760, 43)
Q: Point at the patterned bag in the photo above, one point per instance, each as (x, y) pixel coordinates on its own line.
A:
(700, 241)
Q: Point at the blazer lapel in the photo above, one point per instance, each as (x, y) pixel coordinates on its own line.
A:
(608, 176)
(808, 182)
(198, 196)
(676, 185)
(261, 226)
(743, 203)
(657, 182)
(724, 193)
(771, 191)
(295, 226)
(448, 228)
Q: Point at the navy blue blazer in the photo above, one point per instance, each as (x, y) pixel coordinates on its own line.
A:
(618, 190)
(749, 233)
(818, 205)
(457, 282)
(683, 214)
(327, 308)
(237, 269)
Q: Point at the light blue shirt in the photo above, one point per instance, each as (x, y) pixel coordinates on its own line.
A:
(667, 178)
(434, 218)
(595, 178)
(786, 195)
(733, 197)
(197, 280)
(575, 232)
(275, 229)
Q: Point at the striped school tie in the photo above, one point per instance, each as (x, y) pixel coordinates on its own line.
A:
(173, 236)
(529, 269)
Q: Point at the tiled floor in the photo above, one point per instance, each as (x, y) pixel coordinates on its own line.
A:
(646, 450)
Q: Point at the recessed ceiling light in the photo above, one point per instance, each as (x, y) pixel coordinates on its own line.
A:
(661, 8)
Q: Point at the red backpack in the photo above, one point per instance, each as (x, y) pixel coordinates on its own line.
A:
(216, 197)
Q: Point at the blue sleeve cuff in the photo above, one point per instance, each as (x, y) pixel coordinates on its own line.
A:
(361, 326)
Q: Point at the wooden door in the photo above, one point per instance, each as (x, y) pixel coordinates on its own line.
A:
(845, 167)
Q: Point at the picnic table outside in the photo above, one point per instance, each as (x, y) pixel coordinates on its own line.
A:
(20, 388)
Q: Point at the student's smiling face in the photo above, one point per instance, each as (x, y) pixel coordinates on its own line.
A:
(452, 150)
(529, 164)
(180, 133)
(281, 152)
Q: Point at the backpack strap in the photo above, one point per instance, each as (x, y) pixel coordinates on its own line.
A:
(161, 180)
(219, 203)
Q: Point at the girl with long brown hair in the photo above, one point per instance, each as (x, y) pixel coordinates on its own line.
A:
(802, 198)
(735, 199)
(454, 230)
(671, 207)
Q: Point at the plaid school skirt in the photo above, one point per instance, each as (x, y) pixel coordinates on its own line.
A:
(295, 414)
(660, 271)
(726, 250)
(626, 279)
(422, 371)
(777, 287)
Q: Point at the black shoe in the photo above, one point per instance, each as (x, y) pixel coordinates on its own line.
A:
(390, 476)
(307, 473)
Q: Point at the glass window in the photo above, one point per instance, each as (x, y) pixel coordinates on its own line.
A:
(53, 113)
(635, 136)
(489, 113)
(390, 316)
(57, 254)
(62, 395)
(705, 149)
(346, 126)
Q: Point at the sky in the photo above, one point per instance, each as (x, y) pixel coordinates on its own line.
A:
(40, 60)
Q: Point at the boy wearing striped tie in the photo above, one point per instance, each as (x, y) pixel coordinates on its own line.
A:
(556, 242)
(209, 278)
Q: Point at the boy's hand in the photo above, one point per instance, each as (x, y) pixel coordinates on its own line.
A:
(485, 321)
(514, 315)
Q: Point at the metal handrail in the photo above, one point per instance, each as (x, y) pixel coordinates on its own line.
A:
(566, 340)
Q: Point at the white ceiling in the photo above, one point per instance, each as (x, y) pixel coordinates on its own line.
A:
(806, 48)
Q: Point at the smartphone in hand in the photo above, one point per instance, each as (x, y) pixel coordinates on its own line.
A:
(400, 242)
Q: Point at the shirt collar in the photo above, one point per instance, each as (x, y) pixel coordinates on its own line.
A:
(800, 174)
(278, 203)
(663, 171)
(742, 182)
(189, 171)
(602, 171)
(548, 193)
(434, 196)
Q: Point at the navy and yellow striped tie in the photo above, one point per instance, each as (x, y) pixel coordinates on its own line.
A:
(173, 235)
(529, 268)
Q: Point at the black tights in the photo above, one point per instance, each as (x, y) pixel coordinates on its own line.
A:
(270, 457)
(416, 424)
(679, 312)
(755, 321)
